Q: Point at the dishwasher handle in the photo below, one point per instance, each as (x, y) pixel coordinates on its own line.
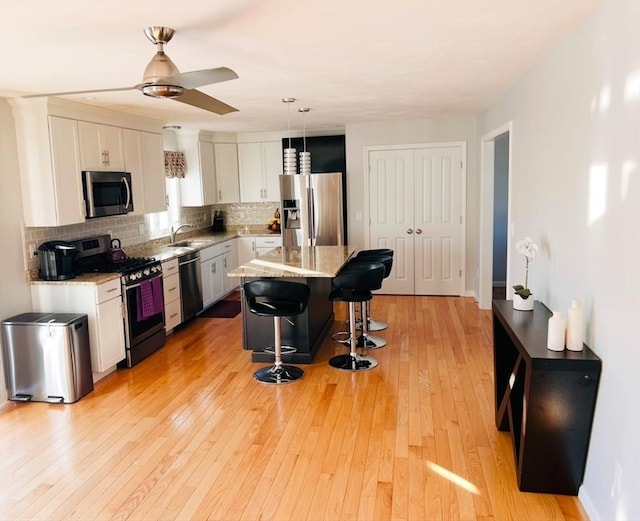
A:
(188, 259)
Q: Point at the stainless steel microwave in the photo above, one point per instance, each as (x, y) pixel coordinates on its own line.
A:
(107, 193)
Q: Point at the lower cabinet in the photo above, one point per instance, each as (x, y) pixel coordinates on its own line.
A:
(102, 303)
(251, 247)
(171, 285)
(215, 262)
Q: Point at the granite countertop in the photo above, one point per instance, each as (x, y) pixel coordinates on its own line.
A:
(296, 261)
(158, 249)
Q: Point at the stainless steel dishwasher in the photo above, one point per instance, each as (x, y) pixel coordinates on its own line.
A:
(190, 285)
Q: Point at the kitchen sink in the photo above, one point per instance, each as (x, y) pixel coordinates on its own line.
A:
(188, 244)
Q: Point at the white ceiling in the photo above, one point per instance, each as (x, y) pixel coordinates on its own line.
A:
(350, 61)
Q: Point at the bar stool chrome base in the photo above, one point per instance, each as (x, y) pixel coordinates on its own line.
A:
(370, 342)
(349, 362)
(283, 374)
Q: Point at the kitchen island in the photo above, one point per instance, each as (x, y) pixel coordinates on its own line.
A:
(313, 266)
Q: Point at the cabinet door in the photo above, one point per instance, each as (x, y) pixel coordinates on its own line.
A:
(101, 147)
(110, 333)
(152, 155)
(230, 263)
(246, 250)
(250, 168)
(133, 164)
(65, 158)
(217, 277)
(206, 270)
(272, 168)
(207, 172)
(226, 160)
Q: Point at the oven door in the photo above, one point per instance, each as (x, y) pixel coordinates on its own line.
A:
(138, 328)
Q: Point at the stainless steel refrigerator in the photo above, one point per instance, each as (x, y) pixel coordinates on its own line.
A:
(312, 209)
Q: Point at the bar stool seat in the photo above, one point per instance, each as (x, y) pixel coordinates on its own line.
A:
(277, 299)
(354, 284)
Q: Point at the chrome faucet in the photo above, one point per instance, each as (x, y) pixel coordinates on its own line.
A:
(174, 232)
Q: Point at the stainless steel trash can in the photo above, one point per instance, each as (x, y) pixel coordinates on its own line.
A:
(47, 357)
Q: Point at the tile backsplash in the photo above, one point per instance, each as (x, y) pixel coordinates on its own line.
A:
(139, 229)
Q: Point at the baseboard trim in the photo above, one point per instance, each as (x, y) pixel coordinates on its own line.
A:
(588, 505)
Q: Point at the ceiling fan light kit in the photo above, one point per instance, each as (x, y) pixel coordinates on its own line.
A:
(162, 79)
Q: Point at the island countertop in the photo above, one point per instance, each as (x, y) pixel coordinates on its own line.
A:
(296, 261)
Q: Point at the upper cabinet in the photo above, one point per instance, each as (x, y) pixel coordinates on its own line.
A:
(101, 147)
(49, 170)
(259, 166)
(58, 139)
(198, 187)
(226, 167)
(144, 158)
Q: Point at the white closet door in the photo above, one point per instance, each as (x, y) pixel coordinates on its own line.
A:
(391, 214)
(415, 207)
(437, 220)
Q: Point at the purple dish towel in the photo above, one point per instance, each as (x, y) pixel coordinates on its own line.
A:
(149, 298)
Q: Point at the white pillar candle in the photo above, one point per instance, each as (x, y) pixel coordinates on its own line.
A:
(575, 327)
(556, 331)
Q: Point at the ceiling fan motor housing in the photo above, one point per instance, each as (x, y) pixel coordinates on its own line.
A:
(160, 66)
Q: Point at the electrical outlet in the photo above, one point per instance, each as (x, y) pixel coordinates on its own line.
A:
(141, 229)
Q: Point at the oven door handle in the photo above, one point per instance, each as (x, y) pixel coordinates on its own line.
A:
(132, 286)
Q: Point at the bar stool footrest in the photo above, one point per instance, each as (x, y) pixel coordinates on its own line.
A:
(284, 350)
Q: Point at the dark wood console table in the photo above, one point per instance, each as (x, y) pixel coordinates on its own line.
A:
(545, 398)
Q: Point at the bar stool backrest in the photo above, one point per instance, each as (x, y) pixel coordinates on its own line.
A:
(267, 297)
(360, 276)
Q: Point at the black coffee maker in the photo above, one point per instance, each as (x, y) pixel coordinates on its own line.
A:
(218, 221)
(57, 260)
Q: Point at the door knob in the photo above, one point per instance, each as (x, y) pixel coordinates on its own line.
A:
(409, 231)
(419, 231)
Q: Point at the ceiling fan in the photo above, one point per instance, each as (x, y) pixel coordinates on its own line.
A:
(161, 78)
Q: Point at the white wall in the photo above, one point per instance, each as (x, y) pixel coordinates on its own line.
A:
(576, 191)
(440, 130)
(15, 296)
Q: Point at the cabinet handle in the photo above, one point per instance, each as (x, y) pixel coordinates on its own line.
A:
(174, 315)
(213, 268)
(418, 231)
(409, 231)
(219, 194)
(224, 263)
(172, 289)
(112, 290)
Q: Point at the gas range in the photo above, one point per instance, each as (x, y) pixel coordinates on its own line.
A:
(93, 257)
(132, 270)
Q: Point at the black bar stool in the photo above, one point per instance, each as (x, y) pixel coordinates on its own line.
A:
(277, 298)
(375, 255)
(354, 284)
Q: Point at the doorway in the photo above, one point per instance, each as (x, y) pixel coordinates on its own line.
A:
(416, 207)
(496, 147)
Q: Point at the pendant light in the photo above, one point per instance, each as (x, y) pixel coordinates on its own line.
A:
(305, 157)
(289, 153)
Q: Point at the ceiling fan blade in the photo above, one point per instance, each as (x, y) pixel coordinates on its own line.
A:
(195, 79)
(81, 92)
(202, 101)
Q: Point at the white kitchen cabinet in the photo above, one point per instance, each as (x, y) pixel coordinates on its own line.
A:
(144, 158)
(198, 187)
(102, 303)
(246, 249)
(259, 166)
(49, 156)
(266, 244)
(226, 168)
(101, 147)
(171, 287)
(212, 274)
(230, 263)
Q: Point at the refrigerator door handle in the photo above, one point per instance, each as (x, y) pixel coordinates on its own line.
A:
(312, 217)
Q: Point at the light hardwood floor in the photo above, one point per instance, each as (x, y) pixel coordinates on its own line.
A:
(188, 434)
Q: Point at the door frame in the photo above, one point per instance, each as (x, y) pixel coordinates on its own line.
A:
(485, 246)
(366, 150)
